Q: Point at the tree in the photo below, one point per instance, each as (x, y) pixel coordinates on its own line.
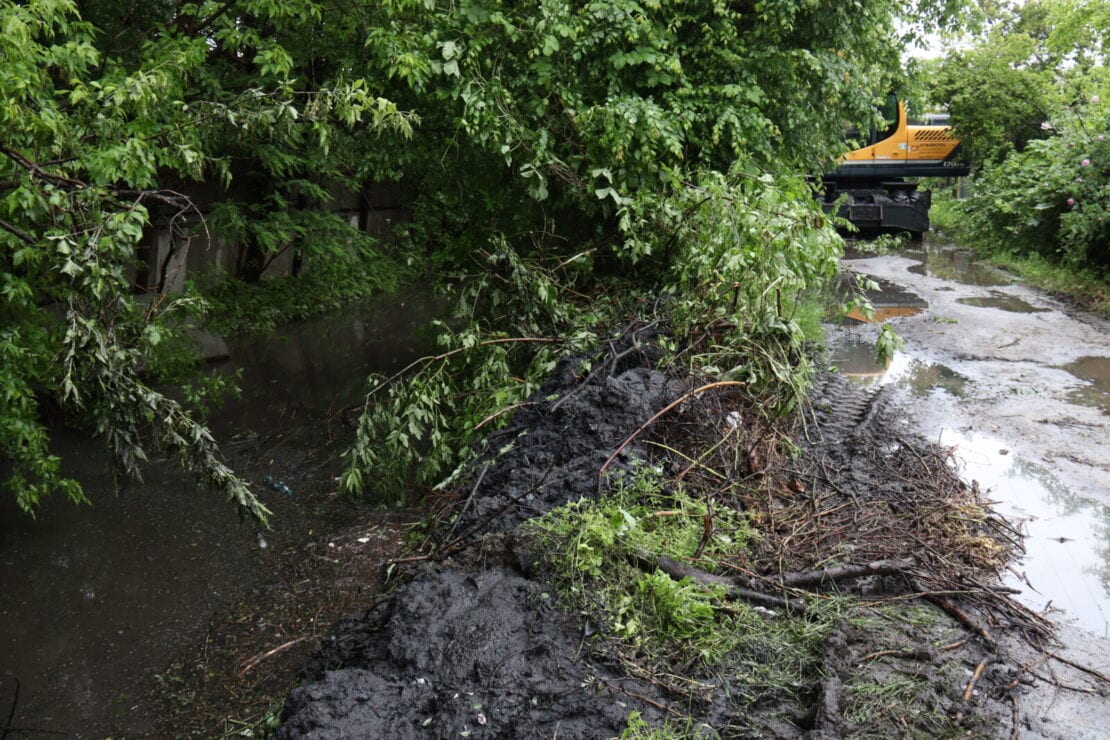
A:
(585, 115)
(1026, 64)
(97, 129)
(1025, 100)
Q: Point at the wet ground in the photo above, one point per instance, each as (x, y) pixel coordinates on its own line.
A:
(99, 601)
(1019, 385)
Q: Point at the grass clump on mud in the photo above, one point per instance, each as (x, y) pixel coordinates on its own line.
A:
(602, 555)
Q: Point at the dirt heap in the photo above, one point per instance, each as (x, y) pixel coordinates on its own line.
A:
(472, 644)
(476, 646)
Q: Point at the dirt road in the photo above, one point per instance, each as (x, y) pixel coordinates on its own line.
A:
(1019, 384)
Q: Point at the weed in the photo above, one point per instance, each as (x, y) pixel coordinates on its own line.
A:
(639, 729)
(599, 554)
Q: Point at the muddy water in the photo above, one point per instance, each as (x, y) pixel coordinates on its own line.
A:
(1018, 387)
(96, 598)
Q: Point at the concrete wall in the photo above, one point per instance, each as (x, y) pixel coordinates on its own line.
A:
(167, 256)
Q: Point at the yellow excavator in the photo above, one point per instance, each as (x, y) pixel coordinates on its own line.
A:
(880, 197)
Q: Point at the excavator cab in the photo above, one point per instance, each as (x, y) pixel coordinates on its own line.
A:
(874, 176)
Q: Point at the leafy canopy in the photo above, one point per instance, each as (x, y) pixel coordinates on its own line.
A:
(101, 130)
(539, 124)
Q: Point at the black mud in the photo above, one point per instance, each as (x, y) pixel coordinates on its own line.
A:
(476, 646)
(471, 644)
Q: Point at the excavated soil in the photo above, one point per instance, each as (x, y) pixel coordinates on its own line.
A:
(470, 643)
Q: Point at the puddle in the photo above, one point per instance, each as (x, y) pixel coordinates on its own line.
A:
(889, 300)
(320, 366)
(957, 265)
(1002, 302)
(96, 597)
(1067, 556)
(855, 359)
(884, 313)
(1013, 379)
(1096, 371)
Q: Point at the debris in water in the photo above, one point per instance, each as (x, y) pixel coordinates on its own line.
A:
(278, 485)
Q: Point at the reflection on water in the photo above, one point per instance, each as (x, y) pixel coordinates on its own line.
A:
(1096, 371)
(94, 598)
(957, 265)
(882, 314)
(1067, 556)
(855, 358)
(320, 366)
(1010, 303)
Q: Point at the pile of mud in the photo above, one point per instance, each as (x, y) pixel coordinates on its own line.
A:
(475, 648)
(472, 644)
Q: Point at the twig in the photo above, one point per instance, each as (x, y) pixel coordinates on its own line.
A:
(507, 409)
(970, 690)
(466, 504)
(682, 399)
(961, 616)
(1089, 671)
(262, 656)
(458, 350)
(11, 714)
(652, 702)
(412, 559)
(1028, 667)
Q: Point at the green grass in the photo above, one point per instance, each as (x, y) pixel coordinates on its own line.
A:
(596, 552)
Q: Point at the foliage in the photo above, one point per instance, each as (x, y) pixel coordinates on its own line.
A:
(887, 345)
(996, 101)
(746, 250)
(98, 127)
(567, 114)
(1052, 199)
(1025, 102)
(1031, 60)
(424, 422)
(597, 551)
(639, 729)
(539, 124)
(736, 257)
(327, 283)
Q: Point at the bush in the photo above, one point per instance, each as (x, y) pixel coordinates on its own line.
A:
(1053, 199)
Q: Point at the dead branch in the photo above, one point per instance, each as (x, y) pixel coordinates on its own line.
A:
(845, 572)
(1079, 667)
(732, 591)
(970, 690)
(962, 617)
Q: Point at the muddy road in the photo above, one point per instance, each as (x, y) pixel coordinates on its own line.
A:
(1020, 385)
(1017, 384)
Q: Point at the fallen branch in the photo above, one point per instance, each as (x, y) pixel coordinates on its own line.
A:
(962, 617)
(845, 572)
(970, 690)
(1079, 667)
(732, 591)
